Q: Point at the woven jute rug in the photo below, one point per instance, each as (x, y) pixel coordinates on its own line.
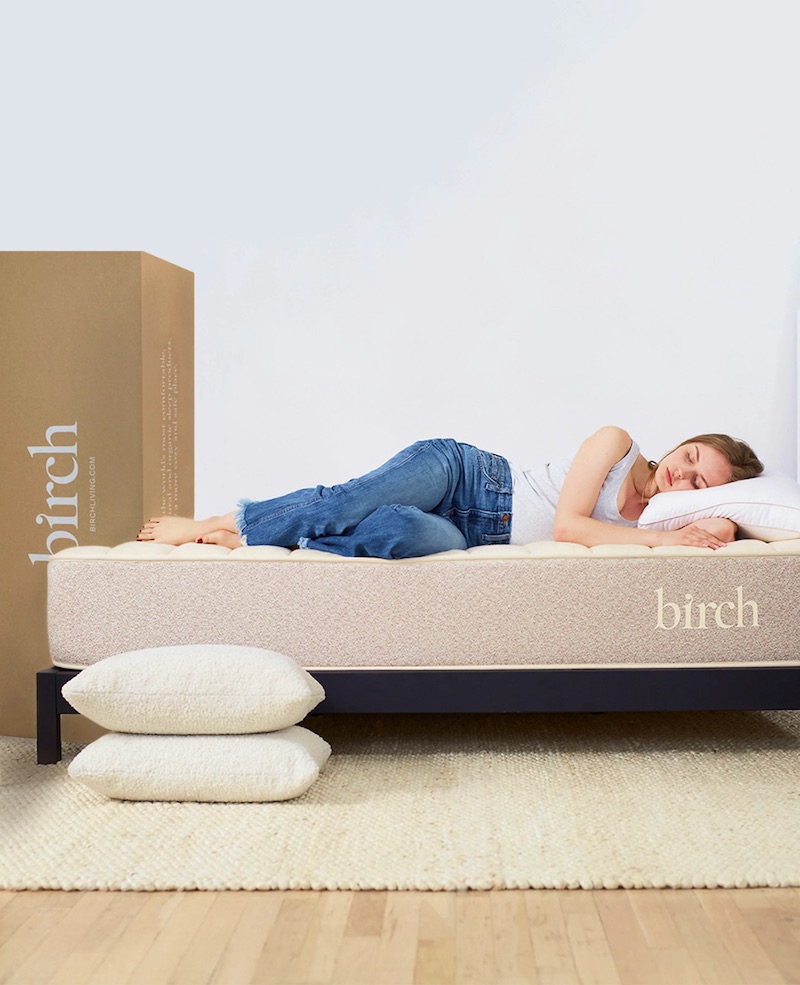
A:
(445, 802)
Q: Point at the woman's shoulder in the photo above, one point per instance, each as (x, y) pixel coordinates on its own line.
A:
(612, 439)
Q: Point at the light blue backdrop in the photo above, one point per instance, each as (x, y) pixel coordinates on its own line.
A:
(507, 222)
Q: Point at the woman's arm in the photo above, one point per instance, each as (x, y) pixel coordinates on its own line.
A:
(720, 527)
(590, 467)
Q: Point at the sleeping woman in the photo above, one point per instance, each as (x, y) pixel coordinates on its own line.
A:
(441, 495)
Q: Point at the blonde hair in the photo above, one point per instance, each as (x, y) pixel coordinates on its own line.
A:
(744, 462)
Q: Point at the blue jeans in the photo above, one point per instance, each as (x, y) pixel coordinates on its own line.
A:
(436, 495)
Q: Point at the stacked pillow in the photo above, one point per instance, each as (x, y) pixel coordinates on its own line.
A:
(206, 722)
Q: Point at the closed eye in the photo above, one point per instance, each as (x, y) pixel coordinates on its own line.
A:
(696, 480)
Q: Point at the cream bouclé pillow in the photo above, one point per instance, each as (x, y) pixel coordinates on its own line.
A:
(764, 508)
(203, 768)
(202, 689)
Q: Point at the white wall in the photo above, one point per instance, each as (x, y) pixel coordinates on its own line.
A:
(507, 222)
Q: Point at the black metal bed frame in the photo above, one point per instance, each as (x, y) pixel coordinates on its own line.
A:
(551, 689)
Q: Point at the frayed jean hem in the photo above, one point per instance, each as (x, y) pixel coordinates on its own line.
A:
(238, 518)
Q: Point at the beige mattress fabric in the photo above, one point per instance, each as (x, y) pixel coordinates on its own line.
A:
(540, 605)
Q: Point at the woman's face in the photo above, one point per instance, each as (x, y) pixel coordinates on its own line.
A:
(692, 466)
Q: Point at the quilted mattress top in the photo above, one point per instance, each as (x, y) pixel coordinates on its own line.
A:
(136, 551)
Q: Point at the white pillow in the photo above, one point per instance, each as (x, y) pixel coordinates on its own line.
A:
(216, 768)
(765, 508)
(202, 689)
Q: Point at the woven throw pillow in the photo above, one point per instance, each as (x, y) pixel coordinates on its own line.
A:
(205, 689)
(215, 768)
(765, 508)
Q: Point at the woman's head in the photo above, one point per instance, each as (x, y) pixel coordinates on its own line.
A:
(706, 460)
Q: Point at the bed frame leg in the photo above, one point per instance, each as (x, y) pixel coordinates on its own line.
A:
(48, 718)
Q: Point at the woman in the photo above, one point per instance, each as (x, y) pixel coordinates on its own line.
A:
(441, 495)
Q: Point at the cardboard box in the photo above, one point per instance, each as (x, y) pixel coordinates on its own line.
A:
(97, 375)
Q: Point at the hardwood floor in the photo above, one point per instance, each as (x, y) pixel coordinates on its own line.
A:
(665, 937)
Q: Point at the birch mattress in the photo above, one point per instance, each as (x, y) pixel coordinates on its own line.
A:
(541, 628)
(544, 605)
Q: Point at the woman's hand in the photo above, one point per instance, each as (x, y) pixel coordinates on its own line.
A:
(713, 532)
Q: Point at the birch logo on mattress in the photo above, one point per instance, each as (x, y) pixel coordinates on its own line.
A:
(690, 614)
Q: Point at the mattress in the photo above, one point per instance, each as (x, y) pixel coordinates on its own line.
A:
(540, 605)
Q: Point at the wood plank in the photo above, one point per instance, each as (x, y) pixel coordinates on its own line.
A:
(656, 924)
(738, 938)
(397, 951)
(356, 961)
(22, 904)
(765, 912)
(591, 953)
(513, 947)
(632, 956)
(328, 924)
(129, 949)
(675, 964)
(15, 913)
(366, 914)
(729, 936)
(87, 954)
(200, 960)
(436, 962)
(239, 959)
(43, 963)
(26, 929)
(551, 950)
(673, 960)
(173, 939)
(283, 957)
(47, 899)
(474, 943)
(437, 916)
(785, 901)
(436, 940)
(715, 964)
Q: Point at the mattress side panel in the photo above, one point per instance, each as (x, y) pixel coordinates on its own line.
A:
(540, 612)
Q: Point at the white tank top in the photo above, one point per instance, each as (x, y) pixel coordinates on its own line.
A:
(536, 492)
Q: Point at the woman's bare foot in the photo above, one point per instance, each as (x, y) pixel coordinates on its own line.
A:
(222, 537)
(179, 530)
